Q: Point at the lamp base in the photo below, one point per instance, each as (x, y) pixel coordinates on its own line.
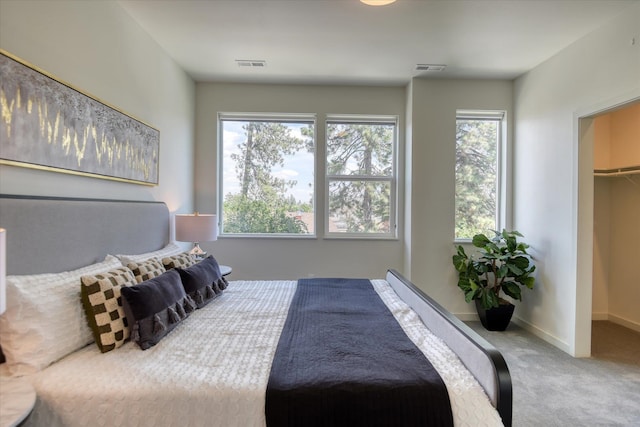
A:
(197, 252)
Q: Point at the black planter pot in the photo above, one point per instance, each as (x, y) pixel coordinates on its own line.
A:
(495, 319)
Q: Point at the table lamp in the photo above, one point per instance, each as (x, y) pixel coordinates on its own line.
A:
(196, 228)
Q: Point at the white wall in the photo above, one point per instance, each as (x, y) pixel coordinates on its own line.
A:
(432, 161)
(284, 258)
(599, 70)
(98, 48)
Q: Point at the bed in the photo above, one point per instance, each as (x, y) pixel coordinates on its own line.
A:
(215, 366)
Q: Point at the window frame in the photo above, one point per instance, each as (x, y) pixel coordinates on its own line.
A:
(264, 117)
(392, 179)
(502, 165)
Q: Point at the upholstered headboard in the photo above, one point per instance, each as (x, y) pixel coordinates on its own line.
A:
(50, 234)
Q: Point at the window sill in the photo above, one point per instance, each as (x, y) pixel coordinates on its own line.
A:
(268, 236)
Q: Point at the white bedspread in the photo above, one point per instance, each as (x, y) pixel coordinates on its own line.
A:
(212, 370)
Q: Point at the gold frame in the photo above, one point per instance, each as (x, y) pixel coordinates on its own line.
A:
(48, 124)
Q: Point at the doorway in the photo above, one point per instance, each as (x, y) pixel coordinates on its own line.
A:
(608, 229)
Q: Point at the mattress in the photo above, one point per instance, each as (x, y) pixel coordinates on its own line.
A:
(213, 368)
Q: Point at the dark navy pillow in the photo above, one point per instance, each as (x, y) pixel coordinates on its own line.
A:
(203, 281)
(156, 306)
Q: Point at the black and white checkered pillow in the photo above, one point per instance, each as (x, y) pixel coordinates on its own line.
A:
(146, 270)
(103, 305)
(182, 260)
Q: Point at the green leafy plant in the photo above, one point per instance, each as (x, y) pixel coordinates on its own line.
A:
(503, 266)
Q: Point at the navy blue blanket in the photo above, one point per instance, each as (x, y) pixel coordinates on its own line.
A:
(343, 360)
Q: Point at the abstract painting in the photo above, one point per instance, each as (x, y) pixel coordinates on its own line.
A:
(48, 124)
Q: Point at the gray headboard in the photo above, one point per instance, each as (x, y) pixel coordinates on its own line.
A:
(51, 234)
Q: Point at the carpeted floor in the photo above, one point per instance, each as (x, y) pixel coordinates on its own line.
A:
(551, 388)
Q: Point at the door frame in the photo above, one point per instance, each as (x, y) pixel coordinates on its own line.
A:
(583, 214)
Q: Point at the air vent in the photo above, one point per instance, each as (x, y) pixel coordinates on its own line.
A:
(430, 67)
(254, 63)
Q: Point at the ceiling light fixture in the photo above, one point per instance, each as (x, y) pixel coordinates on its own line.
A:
(377, 2)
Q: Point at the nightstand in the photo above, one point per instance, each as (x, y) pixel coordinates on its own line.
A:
(17, 398)
(225, 270)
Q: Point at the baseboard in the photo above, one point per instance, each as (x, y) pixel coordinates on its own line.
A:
(630, 324)
(555, 341)
(473, 317)
(467, 317)
(599, 316)
(624, 322)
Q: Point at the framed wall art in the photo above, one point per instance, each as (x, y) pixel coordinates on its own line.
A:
(48, 124)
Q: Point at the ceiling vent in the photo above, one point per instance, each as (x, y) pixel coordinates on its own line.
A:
(430, 67)
(253, 63)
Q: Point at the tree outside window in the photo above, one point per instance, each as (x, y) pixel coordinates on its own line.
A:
(477, 174)
(360, 176)
(267, 175)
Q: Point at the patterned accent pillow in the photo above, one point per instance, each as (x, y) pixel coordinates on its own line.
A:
(169, 250)
(182, 260)
(101, 297)
(146, 270)
(44, 320)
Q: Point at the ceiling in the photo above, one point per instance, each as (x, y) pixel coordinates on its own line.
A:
(347, 42)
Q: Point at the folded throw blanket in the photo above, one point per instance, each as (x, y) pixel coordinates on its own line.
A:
(343, 360)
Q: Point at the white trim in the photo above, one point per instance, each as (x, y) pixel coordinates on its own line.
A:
(360, 119)
(545, 336)
(599, 316)
(618, 320)
(467, 317)
(624, 322)
(267, 117)
(481, 114)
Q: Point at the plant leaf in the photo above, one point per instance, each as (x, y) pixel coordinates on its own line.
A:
(514, 269)
(502, 271)
(459, 262)
(489, 300)
(529, 282)
(521, 262)
(480, 240)
(512, 289)
(463, 284)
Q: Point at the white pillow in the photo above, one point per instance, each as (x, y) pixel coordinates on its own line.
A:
(169, 250)
(45, 320)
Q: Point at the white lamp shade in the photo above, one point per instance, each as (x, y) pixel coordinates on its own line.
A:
(196, 228)
(3, 270)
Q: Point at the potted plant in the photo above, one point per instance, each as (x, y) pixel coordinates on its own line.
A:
(502, 267)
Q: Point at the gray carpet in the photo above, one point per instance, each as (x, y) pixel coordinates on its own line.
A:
(551, 388)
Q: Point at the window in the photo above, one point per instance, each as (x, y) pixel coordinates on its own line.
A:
(478, 196)
(266, 174)
(360, 176)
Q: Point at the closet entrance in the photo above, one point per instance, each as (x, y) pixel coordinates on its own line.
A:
(616, 234)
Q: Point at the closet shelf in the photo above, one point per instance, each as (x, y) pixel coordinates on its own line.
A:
(629, 170)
